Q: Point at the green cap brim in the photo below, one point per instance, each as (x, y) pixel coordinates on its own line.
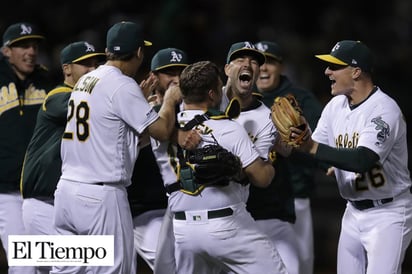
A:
(147, 43)
(331, 59)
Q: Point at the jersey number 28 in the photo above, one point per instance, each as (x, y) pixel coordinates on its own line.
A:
(82, 116)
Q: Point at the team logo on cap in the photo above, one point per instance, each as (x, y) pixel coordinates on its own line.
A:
(176, 57)
(262, 47)
(25, 29)
(336, 47)
(249, 45)
(89, 47)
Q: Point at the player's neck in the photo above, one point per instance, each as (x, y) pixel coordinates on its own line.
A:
(361, 94)
(195, 106)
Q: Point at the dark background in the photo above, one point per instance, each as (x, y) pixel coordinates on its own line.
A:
(205, 29)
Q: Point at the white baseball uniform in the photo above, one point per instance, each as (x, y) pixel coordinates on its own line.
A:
(373, 239)
(206, 244)
(107, 112)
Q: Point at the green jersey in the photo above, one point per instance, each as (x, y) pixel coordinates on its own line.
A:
(42, 163)
(19, 104)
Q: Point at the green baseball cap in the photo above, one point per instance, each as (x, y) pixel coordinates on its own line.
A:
(169, 57)
(125, 37)
(350, 53)
(270, 49)
(78, 51)
(20, 31)
(245, 48)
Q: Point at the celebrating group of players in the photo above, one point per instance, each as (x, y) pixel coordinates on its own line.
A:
(100, 154)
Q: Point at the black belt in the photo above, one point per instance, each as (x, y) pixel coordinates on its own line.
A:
(173, 187)
(224, 212)
(366, 204)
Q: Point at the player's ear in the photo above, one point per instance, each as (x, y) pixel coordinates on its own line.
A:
(6, 51)
(67, 69)
(140, 53)
(356, 72)
(227, 69)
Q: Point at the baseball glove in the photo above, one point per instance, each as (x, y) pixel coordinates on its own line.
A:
(213, 164)
(286, 113)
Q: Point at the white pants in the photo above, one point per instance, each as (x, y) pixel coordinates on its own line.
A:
(38, 220)
(11, 223)
(375, 240)
(232, 244)
(303, 228)
(85, 209)
(146, 228)
(283, 237)
(165, 252)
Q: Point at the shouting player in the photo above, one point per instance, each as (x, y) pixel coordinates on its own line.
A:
(362, 134)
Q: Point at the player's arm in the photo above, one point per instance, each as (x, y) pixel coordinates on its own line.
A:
(163, 127)
(360, 159)
(260, 173)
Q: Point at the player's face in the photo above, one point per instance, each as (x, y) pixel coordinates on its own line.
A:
(342, 78)
(269, 76)
(22, 56)
(168, 77)
(242, 73)
(80, 68)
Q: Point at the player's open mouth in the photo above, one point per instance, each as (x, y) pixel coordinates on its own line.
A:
(264, 77)
(245, 77)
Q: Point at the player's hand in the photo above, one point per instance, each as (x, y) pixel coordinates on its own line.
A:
(188, 139)
(149, 85)
(144, 139)
(308, 145)
(281, 147)
(173, 95)
(330, 171)
(154, 100)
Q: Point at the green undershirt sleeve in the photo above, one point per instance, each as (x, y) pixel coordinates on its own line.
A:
(360, 159)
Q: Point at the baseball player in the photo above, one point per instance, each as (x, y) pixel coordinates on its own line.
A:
(42, 164)
(107, 114)
(362, 134)
(147, 195)
(210, 223)
(24, 85)
(272, 83)
(271, 207)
